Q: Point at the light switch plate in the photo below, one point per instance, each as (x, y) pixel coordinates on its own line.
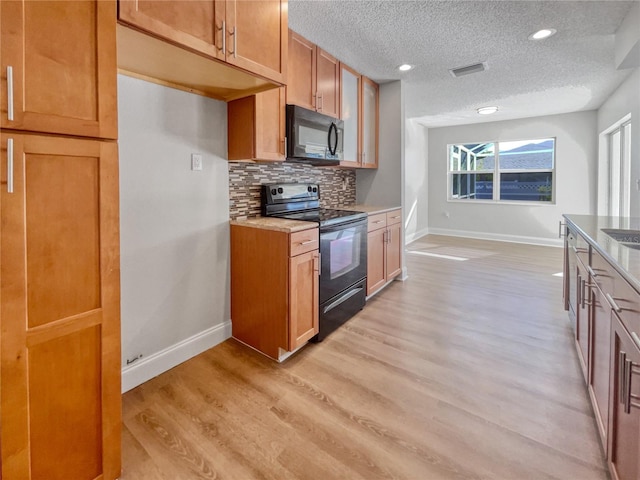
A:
(196, 161)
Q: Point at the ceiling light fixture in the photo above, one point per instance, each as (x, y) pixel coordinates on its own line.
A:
(405, 67)
(487, 110)
(542, 34)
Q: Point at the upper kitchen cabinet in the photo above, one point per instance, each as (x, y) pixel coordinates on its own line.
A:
(59, 67)
(369, 123)
(314, 82)
(350, 82)
(257, 37)
(256, 126)
(197, 24)
(250, 35)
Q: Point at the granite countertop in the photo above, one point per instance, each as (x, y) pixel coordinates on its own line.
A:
(625, 260)
(278, 224)
(370, 209)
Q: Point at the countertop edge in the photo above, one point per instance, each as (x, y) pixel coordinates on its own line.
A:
(370, 209)
(634, 282)
(274, 224)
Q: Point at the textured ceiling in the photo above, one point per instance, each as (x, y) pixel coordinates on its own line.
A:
(573, 70)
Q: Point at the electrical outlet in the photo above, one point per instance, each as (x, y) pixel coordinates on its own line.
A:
(196, 161)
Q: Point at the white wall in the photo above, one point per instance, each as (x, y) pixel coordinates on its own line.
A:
(576, 169)
(174, 227)
(624, 101)
(416, 180)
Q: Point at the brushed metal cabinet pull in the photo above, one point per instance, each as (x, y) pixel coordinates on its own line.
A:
(234, 32)
(560, 225)
(628, 365)
(613, 303)
(591, 272)
(10, 165)
(635, 339)
(580, 291)
(621, 359)
(307, 242)
(10, 93)
(224, 37)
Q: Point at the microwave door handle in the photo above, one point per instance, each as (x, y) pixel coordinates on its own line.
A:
(332, 127)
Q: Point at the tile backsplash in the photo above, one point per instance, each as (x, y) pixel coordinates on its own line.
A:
(337, 186)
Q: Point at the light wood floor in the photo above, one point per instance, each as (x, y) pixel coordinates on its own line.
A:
(466, 370)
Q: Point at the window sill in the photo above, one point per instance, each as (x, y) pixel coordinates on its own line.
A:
(502, 202)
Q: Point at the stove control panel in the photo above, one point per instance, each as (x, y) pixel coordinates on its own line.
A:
(289, 192)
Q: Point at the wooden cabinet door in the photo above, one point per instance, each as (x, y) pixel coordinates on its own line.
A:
(301, 79)
(583, 320)
(257, 37)
(59, 67)
(327, 84)
(349, 113)
(270, 124)
(394, 250)
(256, 126)
(369, 123)
(624, 436)
(376, 260)
(195, 24)
(599, 362)
(304, 271)
(60, 409)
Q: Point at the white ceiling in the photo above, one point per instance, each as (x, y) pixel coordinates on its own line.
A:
(573, 70)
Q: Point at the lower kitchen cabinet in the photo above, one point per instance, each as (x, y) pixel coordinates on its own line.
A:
(624, 438)
(384, 249)
(274, 288)
(60, 409)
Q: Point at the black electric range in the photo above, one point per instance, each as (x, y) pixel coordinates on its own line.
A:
(343, 249)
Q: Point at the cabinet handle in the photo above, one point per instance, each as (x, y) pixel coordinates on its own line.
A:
(628, 365)
(636, 339)
(235, 41)
(378, 221)
(307, 242)
(319, 264)
(591, 272)
(580, 291)
(560, 225)
(224, 37)
(319, 100)
(397, 216)
(9, 93)
(622, 356)
(10, 165)
(388, 236)
(613, 303)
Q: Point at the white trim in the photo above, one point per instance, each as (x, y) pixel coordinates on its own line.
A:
(159, 362)
(416, 235)
(499, 237)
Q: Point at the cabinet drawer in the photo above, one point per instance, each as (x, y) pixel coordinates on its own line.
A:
(628, 300)
(303, 242)
(394, 217)
(605, 275)
(379, 220)
(583, 249)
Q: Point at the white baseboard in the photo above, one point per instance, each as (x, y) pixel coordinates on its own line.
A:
(415, 235)
(153, 365)
(499, 237)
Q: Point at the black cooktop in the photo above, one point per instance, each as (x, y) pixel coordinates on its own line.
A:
(325, 217)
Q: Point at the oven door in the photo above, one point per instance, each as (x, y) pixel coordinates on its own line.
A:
(343, 250)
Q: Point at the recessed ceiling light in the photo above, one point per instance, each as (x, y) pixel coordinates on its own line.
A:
(487, 110)
(542, 34)
(404, 67)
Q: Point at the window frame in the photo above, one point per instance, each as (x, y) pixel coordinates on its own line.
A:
(497, 172)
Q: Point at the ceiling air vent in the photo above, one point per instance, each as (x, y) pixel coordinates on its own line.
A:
(469, 69)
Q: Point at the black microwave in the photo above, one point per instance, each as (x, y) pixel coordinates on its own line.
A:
(313, 138)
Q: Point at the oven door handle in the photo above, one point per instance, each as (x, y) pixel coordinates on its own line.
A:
(342, 299)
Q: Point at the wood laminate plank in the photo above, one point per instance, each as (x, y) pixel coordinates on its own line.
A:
(465, 370)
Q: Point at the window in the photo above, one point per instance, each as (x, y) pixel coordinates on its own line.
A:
(519, 171)
(620, 171)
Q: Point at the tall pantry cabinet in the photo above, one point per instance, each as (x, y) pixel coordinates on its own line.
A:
(60, 407)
